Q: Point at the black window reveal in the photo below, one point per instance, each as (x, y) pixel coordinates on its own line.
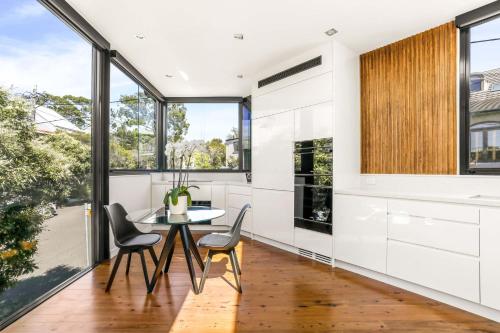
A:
(480, 91)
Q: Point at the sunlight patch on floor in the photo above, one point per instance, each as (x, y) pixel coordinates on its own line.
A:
(211, 315)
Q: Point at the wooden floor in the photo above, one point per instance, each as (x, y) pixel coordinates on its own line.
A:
(282, 292)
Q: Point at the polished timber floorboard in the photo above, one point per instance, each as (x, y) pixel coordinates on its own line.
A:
(282, 292)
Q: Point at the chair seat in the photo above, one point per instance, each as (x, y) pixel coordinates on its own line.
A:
(142, 240)
(214, 241)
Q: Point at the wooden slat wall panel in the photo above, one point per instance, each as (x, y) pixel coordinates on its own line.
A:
(408, 105)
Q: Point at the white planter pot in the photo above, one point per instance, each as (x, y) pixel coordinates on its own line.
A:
(180, 208)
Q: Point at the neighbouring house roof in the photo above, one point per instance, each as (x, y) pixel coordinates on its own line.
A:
(487, 99)
(49, 121)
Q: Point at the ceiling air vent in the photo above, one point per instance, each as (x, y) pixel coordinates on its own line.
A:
(290, 71)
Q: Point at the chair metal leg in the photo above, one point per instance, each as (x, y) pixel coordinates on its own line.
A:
(128, 262)
(205, 271)
(184, 231)
(153, 255)
(232, 254)
(237, 262)
(144, 268)
(113, 271)
(169, 258)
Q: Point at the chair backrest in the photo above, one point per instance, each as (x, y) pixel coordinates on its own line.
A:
(236, 228)
(121, 227)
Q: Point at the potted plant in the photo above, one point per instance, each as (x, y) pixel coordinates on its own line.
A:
(178, 198)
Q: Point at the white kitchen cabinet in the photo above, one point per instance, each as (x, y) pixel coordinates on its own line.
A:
(232, 214)
(360, 231)
(157, 195)
(490, 257)
(315, 90)
(272, 153)
(452, 273)
(219, 201)
(273, 215)
(435, 210)
(441, 234)
(314, 122)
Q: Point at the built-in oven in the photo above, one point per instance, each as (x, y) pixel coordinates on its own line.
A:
(314, 185)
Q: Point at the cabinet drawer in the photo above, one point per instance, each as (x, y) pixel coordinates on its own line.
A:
(442, 211)
(232, 214)
(448, 272)
(238, 201)
(243, 190)
(446, 235)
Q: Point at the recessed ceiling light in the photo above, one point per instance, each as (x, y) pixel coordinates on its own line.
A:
(239, 76)
(238, 36)
(170, 76)
(139, 36)
(331, 32)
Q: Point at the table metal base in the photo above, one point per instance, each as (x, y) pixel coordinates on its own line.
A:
(168, 250)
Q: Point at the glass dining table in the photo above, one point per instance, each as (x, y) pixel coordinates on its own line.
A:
(178, 224)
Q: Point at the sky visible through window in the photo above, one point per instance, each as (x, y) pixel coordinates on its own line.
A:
(485, 54)
(38, 51)
(211, 120)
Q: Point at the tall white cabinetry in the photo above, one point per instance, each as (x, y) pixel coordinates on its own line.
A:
(299, 107)
(320, 102)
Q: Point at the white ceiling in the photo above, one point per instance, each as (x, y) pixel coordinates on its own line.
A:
(196, 36)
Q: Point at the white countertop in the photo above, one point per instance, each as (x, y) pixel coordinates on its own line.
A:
(205, 182)
(467, 199)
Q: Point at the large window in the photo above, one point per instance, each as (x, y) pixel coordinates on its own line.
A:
(45, 154)
(133, 144)
(211, 130)
(480, 95)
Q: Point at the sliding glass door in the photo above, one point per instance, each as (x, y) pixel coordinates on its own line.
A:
(45, 154)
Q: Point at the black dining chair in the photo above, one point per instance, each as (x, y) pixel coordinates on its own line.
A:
(224, 243)
(129, 240)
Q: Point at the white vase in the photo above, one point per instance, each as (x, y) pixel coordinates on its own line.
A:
(180, 208)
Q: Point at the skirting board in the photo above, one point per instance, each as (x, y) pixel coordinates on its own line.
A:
(457, 302)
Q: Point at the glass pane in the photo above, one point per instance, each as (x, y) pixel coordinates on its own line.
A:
(246, 137)
(123, 133)
(209, 130)
(132, 140)
(45, 153)
(484, 104)
(488, 30)
(147, 132)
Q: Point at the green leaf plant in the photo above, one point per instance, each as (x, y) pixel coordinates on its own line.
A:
(180, 158)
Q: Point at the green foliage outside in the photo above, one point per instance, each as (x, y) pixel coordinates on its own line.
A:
(36, 171)
(132, 137)
(209, 155)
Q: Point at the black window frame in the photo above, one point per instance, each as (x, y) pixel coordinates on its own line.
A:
(239, 100)
(464, 23)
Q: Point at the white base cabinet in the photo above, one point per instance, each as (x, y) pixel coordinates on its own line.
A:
(273, 215)
(360, 231)
(490, 257)
(452, 273)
